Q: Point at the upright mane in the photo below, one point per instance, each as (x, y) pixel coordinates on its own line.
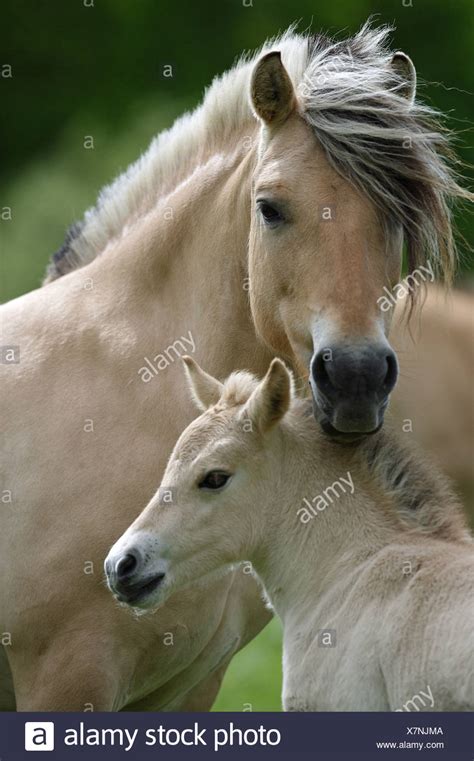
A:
(412, 487)
(419, 492)
(395, 152)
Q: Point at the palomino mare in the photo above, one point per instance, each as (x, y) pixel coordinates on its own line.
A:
(338, 536)
(279, 225)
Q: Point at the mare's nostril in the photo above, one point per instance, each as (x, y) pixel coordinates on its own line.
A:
(364, 373)
(392, 373)
(320, 372)
(126, 566)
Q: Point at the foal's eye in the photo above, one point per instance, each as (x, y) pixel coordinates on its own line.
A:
(215, 479)
(271, 216)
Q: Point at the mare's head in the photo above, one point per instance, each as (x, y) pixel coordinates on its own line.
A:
(210, 510)
(348, 172)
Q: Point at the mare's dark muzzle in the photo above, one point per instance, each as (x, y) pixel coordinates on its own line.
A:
(351, 385)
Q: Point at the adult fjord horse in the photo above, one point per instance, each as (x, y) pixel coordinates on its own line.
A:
(250, 231)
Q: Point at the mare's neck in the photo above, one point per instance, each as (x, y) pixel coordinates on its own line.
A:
(185, 264)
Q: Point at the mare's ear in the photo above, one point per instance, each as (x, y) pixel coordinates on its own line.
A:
(403, 66)
(271, 399)
(205, 389)
(272, 93)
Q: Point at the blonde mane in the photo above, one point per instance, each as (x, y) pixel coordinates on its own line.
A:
(352, 97)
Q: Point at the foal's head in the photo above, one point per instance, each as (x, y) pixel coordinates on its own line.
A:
(203, 517)
(348, 171)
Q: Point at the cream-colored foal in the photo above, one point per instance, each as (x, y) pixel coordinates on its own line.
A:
(362, 550)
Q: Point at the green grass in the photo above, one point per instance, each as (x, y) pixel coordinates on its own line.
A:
(253, 679)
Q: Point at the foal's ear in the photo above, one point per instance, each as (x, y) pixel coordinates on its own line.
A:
(271, 399)
(205, 389)
(273, 96)
(404, 67)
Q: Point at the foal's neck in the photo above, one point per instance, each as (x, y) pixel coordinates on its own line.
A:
(339, 506)
(325, 519)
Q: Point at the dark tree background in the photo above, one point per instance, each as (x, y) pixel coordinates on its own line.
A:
(95, 68)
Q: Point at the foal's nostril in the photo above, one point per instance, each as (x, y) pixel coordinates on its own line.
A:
(126, 566)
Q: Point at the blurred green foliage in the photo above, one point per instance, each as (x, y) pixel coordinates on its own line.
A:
(253, 679)
(95, 67)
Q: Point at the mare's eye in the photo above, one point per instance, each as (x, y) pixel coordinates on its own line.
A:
(271, 215)
(215, 479)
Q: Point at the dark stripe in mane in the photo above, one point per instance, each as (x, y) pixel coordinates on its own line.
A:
(65, 260)
(422, 496)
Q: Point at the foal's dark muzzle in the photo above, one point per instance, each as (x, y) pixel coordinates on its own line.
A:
(351, 385)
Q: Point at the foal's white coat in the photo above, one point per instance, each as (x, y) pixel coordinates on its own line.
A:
(374, 590)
